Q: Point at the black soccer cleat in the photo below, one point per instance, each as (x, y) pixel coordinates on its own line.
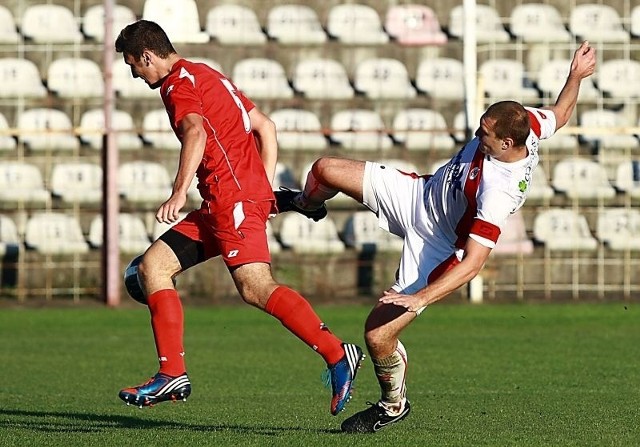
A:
(285, 202)
(159, 388)
(373, 419)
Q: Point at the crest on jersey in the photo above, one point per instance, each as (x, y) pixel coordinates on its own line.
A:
(474, 173)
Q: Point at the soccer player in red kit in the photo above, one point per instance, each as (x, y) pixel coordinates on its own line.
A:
(230, 145)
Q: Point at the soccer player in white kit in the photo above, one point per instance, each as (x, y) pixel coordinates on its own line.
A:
(449, 221)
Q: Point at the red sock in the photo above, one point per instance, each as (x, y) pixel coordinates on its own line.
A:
(167, 321)
(296, 314)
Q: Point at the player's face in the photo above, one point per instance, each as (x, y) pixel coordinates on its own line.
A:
(490, 144)
(143, 69)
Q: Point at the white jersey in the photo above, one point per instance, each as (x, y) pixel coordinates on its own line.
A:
(470, 197)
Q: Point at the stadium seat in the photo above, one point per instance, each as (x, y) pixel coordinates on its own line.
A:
(563, 229)
(422, 129)
(159, 228)
(303, 235)
(22, 183)
(628, 178)
(261, 78)
(126, 86)
(581, 178)
(552, 76)
(92, 129)
(55, 233)
(597, 23)
(207, 61)
(93, 21)
(619, 228)
(505, 79)
(538, 23)
(322, 79)
(295, 25)
(274, 245)
(157, 131)
(8, 32)
(441, 78)
(284, 177)
(46, 23)
(20, 78)
(460, 125)
(298, 130)
(607, 119)
(383, 78)
(43, 129)
(362, 232)
(359, 129)
(634, 27)
(540, 188)
(234, 25)
(75, 78)
(8, 235)
(513, 238)
(133, 237)
(77, 182)
(414, 24)
(180, 20)
(618, 78)
(355, 24)
(144, 182)
(489, 26)
(7, 142)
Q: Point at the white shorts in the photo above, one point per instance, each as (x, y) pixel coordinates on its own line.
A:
(397, 199)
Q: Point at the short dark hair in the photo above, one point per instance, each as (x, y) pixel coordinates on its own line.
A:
(511, 121)
(141, 36)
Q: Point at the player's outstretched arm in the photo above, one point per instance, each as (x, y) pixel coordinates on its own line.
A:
(582, 66)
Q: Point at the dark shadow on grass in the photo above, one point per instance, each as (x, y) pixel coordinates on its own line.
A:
(70, 422)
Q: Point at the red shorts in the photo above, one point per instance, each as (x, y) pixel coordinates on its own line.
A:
(238, 233)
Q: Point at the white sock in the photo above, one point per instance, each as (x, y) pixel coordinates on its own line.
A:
(314, 193)
(391, 374)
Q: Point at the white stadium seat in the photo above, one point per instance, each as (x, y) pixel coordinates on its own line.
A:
(441, 78)
(77, 182)
(55, 233)
(552, 76)
(619, 228)
(274, 245)
(127, 86)
(603, 119)
(20, 78)
(597, 23)
(489, 27)
(505, 79)
(295, 25)
(356, 24)
(303, 235)
(7, 142)
(180, 20)
(298, 130)
(362, 232)
(159, 228)
(581, 178)
(628, 178)
(322, 79)
(94, 18)
(513, 237)
(234, 25)
(50, 24)
(144, 182)
(133, 237)
(261, 78)
(8, 234)
(414, 24)
(360, 129)
(563, 229)
(383, 78)
(92, 129)
(619, 78)
(540, 188)
(8, 32)
(22, 183)
(635, 21)
(284, 176)
(75, 78)
(43, 129)
(157, 131)
(536, 23)
(422, 129)
(207, 61)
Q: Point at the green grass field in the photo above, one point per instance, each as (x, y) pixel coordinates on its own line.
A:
(490, 375)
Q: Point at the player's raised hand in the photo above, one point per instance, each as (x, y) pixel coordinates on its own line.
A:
(584, 61)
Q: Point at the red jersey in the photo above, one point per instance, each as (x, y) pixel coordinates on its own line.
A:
(231, 169)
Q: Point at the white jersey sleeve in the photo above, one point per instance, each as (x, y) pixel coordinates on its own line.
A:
(543, 122)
